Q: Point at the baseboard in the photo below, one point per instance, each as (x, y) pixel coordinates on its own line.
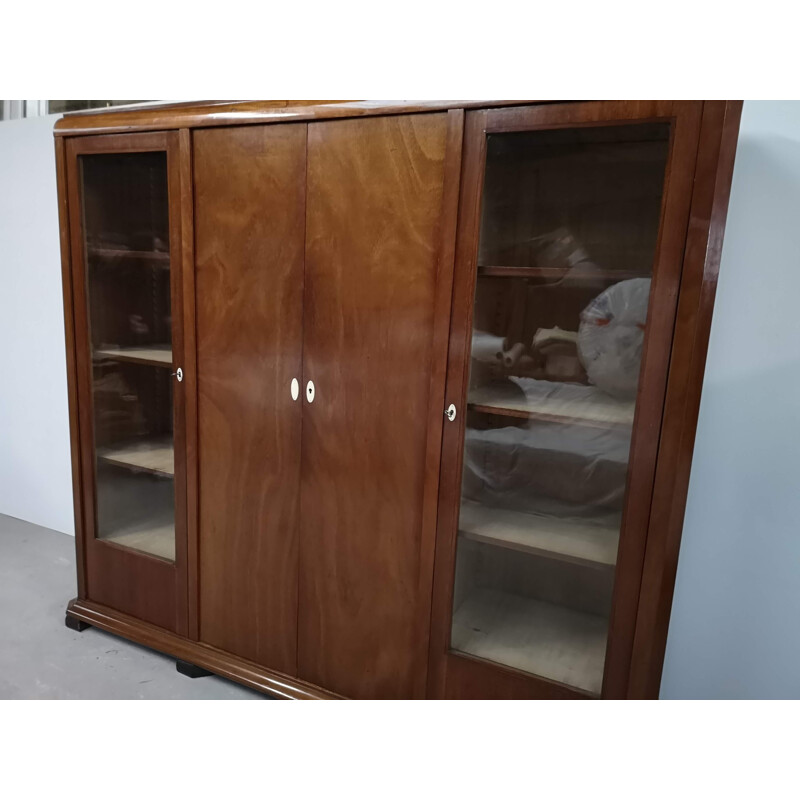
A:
(202, 655)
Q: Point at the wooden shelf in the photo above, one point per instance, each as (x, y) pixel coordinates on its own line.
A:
(533, 636)
(148, 455)
(158, 354)
(598, 410)
(562, 539)
(557, 273)
(156, 538)
(110, 253)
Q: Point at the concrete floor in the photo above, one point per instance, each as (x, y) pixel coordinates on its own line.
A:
(41, 658)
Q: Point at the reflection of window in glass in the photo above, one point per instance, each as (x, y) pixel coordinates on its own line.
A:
(63, 106)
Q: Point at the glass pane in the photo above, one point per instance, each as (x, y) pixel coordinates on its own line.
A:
(126, 241)
(568, 235)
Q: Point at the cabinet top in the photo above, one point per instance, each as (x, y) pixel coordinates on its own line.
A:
(197, 114)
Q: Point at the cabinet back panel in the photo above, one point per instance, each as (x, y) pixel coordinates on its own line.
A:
(250, 222)
(372, 249)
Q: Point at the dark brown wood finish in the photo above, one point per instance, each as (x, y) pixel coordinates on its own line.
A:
(226, 665)
(72, 375)
(715, 161)
(438, 378)
(685, 119)
(474, 679)
(474, 153)
(249, 195)
(145, 586)
(373, 246)
(189, 381)
(180, 388)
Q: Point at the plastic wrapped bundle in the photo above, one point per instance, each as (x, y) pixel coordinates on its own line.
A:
(547, 467)
(611, 336)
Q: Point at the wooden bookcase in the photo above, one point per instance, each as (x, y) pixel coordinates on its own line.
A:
(390, 400)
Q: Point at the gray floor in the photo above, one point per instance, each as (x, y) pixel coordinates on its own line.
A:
(41, 658)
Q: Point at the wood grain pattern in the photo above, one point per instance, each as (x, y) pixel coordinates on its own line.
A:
(712, 185)
(249, 235)
(375, 190)
(132, 582)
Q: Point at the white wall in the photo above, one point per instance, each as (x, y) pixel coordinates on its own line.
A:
(735, 627)
(35, 478)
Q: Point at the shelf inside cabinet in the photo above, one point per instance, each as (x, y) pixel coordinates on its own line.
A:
(156, 538)
(109, 254)
(594, 408)
(148, 455)
(558, 273)
(156, 354)
(544, 639)
(571, 540)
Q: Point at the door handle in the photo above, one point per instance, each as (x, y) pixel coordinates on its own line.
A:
(178, 374)
(295, 389)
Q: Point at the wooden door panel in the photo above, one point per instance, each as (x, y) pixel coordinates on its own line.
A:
(373, 243)
(250, 217)
(124, 217)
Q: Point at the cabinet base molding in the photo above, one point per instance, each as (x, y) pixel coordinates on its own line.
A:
(194, 654)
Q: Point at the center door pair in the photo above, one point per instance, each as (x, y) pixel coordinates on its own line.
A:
(318, 251)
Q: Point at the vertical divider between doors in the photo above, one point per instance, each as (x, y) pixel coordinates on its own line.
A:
(459, 328)
(301, 400)
(438, 376)
(189, 355)
(181, 390)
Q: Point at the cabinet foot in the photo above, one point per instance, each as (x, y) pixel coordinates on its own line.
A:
(75, 624)
(190, 670)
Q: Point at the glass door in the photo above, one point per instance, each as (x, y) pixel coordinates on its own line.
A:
(126, 244)
(569, 231)
(125, 230)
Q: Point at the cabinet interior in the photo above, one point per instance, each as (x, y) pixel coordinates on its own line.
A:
(126, 246)
(568, 236)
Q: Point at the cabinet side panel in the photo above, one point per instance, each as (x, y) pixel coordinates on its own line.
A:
(712, 185)
(249, 186)
(372, 249)
(72, 379)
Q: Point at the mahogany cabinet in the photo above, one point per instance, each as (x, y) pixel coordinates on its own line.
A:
(390, 400)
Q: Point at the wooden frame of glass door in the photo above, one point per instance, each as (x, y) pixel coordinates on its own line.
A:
(459, 675)
(142, 585)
